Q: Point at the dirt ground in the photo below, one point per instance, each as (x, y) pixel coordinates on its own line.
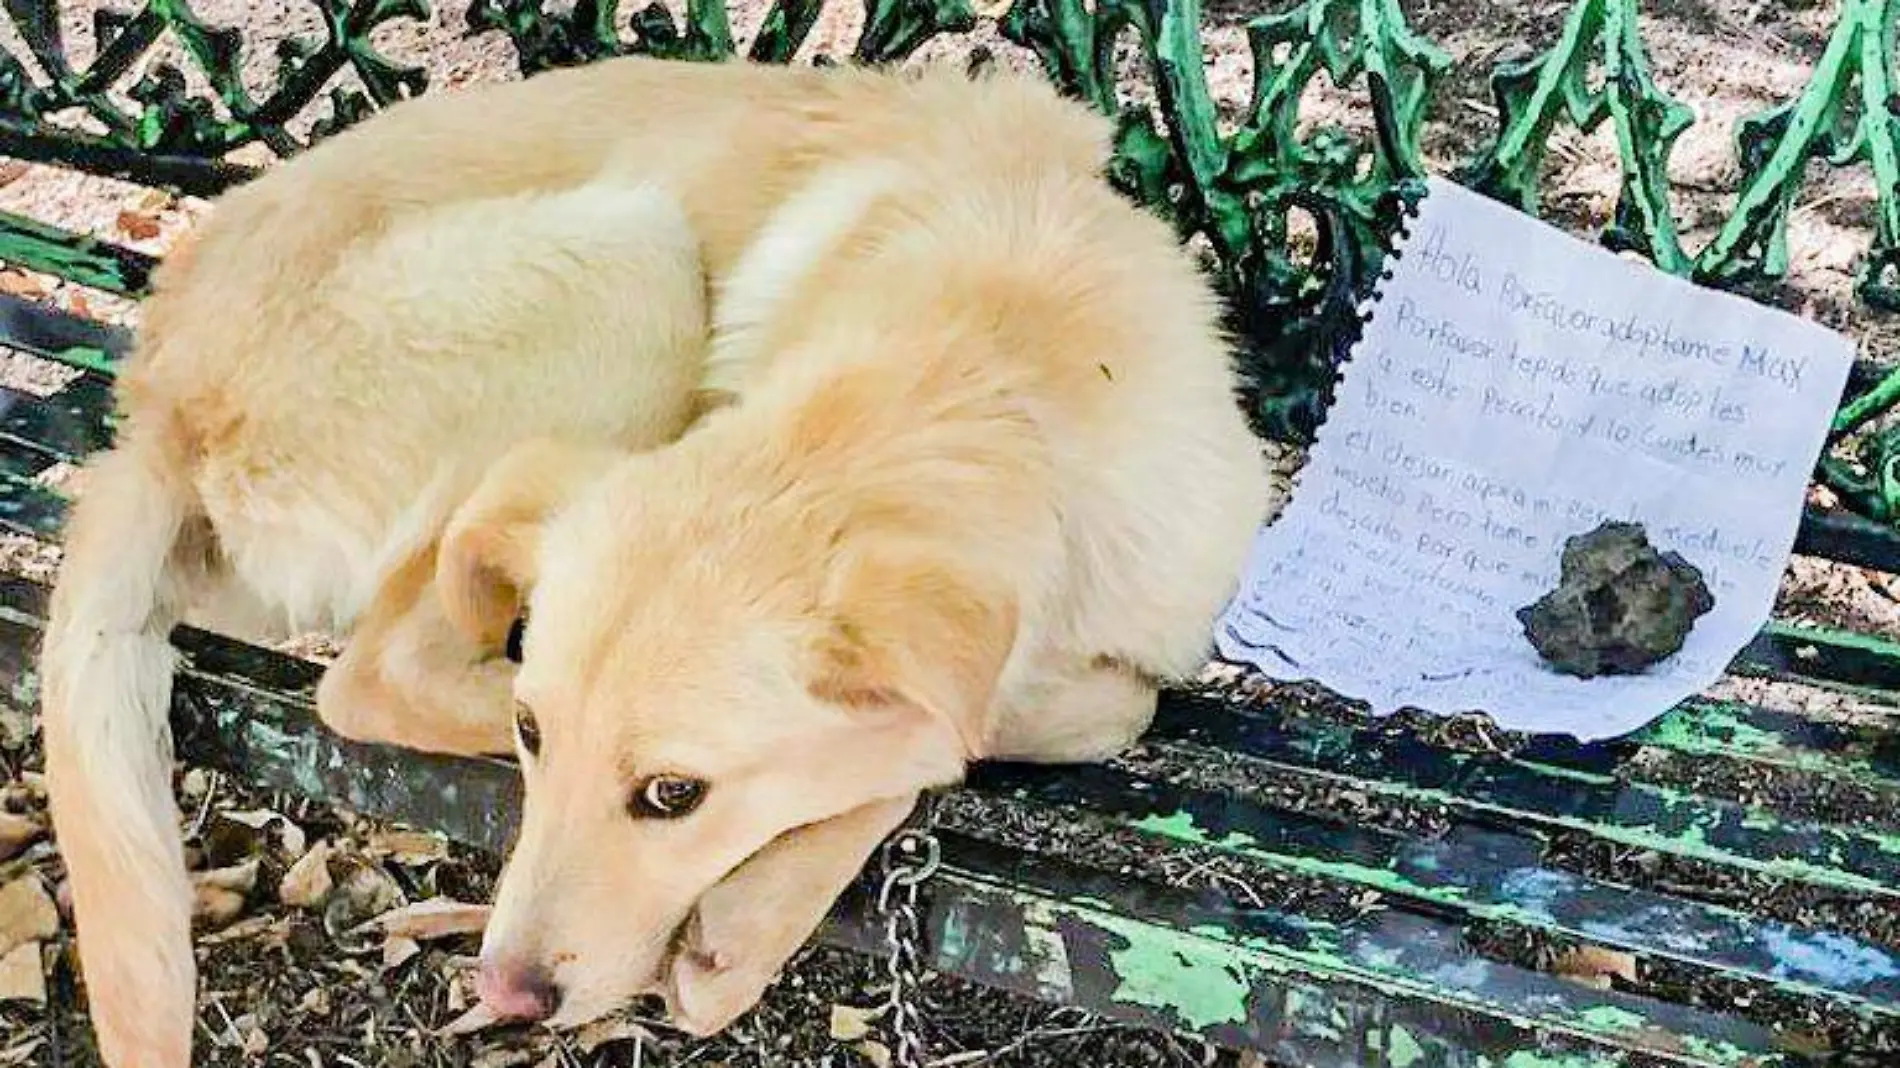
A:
(290, 979)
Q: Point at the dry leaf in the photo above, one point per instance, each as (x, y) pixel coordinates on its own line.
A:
(290, 837)
(316, 1002)
(256, 1042)
(364, 893)
(218, 896)
(16, 833)
(1596, 967)
(479, 1017)
(195, 784)
(850, 1023)
(214, 907)
(77, 304)
(138, 225)
(21, 284)
(15, 728)
(151, 201)
(876, 1052)
(27, 914)
(238, 878)
(408, 848)
(617, 1028)
(276, 928)
(308, 881)
(458, 998)
(12, 170)
(23, 975)
(438, 917)
(398, 951)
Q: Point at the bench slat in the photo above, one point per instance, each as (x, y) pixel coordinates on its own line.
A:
(1479, 874)
(1378, 990)
(1849, 539)
(1544, 795)
(68, 424)
(91, 154)
(80, 258)
(1857, 756)
(26, 506)
(248, 710)
(1802, 652)
(61, 336)
(1302, 991)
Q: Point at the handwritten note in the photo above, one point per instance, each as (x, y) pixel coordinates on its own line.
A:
(1515, 387)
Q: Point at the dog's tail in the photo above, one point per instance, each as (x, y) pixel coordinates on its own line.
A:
(106, 681)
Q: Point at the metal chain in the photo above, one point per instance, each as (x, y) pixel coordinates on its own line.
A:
(910, 858)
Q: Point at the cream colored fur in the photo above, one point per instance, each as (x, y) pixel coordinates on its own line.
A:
(968, 480)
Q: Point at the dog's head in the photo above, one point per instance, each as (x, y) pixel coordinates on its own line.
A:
(710, 660)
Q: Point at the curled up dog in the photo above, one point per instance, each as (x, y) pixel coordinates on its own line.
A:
(808, 434)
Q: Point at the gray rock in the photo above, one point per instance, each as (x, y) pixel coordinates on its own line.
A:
(1619, 607)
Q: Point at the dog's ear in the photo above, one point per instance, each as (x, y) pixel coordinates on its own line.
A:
(911, 631)
(486, 564)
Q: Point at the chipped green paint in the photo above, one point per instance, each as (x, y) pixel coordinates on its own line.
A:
(1606, 1021)
(1717, 1052)
(1711, 728)
(1156, 967)
(1612, 1020)
(24, 693)
(1491, 888)
(1181, 827)
(1529, 1059)
(88, 358)
(1849, 755)
(1691, 842)
(1885, 648)
(1404, 1050)
(89, 261)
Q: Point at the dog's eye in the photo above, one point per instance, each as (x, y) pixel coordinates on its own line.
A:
(516, 631)
(667, 797)
(527, 729)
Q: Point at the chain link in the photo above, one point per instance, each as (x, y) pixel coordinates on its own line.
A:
(910, 858)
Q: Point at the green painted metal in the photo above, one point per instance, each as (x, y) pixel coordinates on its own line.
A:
(1862, 756)
(1482, 876)
(170, 119)
(1603, 804)
(27, 507)
(92, 262)
(1534, 93)
(1845, 115)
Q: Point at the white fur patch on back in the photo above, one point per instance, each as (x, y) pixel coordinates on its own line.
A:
(798, 236)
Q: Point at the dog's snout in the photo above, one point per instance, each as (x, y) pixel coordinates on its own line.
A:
(516, 992)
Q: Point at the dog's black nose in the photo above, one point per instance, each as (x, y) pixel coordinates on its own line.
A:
(529, 994)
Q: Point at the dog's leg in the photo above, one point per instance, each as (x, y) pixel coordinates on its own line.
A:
(227, 606)
(744, 930)
(407, 677)
(1086, 714)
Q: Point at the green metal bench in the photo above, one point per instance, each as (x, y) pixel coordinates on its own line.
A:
(1356, 893)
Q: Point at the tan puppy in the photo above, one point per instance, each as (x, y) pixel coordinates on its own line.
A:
(979, 481)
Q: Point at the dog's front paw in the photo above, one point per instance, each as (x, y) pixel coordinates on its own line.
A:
(708, 988)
